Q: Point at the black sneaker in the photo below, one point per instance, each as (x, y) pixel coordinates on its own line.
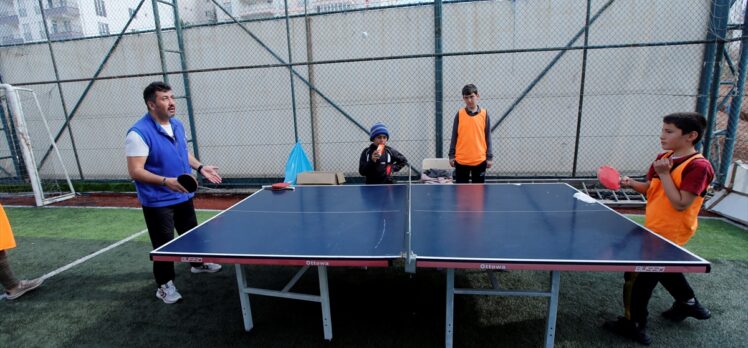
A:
(629, 329)
(681, 310)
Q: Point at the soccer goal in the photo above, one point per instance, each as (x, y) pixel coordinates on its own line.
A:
(25, 132)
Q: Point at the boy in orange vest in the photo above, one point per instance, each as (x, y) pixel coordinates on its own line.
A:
(470, 149)
(676, 184)
(14, 288)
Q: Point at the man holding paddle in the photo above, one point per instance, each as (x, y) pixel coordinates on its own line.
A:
(160, 164)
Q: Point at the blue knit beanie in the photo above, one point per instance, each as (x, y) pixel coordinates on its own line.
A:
(377, 129)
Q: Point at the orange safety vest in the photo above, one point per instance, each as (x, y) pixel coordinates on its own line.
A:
(470, 149)
(6, 234)
(662, 218)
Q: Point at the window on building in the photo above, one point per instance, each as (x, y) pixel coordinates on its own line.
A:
(131, 11)
(27, 32)
(227, 6)
(66, 25)
(21, 8)
(55, 27)
(36, 8)
(103, 28)
(42, 34)
(100, 8)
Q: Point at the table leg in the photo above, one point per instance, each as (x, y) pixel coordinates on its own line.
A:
(324, 294)
(550, 332)
(241, 280)
(450, 307)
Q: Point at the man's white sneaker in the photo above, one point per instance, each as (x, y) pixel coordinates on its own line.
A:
(207, 268)
(168, 293)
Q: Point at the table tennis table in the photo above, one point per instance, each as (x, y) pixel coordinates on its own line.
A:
(537, 226)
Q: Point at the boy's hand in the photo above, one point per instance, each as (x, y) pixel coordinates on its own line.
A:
(662, 166)
(451, 162)
(489, 164)
(626, 181)
(375, 156)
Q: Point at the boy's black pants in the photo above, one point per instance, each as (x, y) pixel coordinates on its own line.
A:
(464, 173)
(161, 223)
(638, 287)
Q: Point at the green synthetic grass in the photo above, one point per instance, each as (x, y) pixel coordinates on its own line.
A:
(109, 300)
(716, 239)
(49, 238)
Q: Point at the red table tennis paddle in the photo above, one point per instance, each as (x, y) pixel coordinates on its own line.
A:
(609, 177)
(281, 186)
(188, 182)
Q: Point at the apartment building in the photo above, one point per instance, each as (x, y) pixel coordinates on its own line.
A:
(21, 20)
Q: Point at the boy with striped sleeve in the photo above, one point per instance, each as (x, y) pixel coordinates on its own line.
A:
(676, 185)
(470, 148)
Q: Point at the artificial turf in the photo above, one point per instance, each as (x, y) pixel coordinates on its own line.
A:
(109, 300)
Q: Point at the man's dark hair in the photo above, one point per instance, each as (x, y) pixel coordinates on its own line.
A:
(469, 89)
(687, 122)
(149, 93)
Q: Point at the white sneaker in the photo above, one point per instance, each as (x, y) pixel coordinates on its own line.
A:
(207, 268)
(168, 293)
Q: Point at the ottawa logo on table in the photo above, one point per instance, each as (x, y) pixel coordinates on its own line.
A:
(192, 259)
(490, 266)
(649, 269)
(317, 263)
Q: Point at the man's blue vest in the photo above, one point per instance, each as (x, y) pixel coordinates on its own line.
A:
(167, 157)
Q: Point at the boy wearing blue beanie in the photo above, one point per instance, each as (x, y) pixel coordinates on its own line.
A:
(378, 161)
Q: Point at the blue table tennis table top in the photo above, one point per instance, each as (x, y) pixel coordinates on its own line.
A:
(540, 226)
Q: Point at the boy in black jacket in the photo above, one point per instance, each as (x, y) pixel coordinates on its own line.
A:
(379, 161)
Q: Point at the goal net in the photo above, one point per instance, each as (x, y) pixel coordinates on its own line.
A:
(30, 162)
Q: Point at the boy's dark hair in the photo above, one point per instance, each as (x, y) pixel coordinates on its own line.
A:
(687, 122)
(469, 89)
(149, 93)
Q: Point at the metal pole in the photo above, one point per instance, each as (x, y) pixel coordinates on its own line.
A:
(185, 80)
(290, 73)
(159, 39)
(59, 90)
(735, 106)
(581, 91)
(710, 54)
(438, 79)
(9, 129)
(719, 19)
(310, 76)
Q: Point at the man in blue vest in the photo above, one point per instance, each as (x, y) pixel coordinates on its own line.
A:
(157, 154)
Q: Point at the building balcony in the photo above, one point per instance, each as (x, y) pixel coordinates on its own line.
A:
(257, 2)
(66, 10)
(9, 18)
(11, 40)
(64, 35)
(261, 10)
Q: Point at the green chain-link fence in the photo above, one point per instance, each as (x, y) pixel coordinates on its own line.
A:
(569, 85)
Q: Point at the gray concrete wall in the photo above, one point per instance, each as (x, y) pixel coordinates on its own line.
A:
(244, 117)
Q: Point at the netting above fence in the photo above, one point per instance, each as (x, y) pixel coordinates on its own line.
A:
(566, 90)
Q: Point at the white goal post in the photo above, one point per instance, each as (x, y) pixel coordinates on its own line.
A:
(46, 187)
